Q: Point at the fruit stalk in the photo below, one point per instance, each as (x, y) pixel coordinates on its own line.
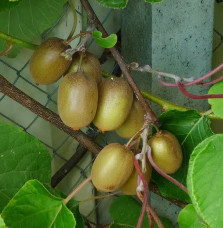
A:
(93, 19)
(16, 41)
(76, 190)
(145, 193)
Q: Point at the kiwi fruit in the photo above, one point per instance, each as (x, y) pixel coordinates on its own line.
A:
(77, 100)
(114, 103)
(129, 187)
(89, 65)
(134, 121)
(112, 167)
(47, 63)
(166, 151)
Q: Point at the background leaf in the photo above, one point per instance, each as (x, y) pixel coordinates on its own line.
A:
(72, 205)
(188, 218)
(107, 42)
(126, 210)
(204, 180)
(216, 103)
(2, 224)
(22, 157)
(28, 20)
(33, 206)
(115, 4)
(153, 1)
(190, 129)
(6, 4)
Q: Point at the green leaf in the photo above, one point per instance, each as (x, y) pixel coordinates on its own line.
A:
(2, 224)
(125, 211)
(204, 180)
(115, 4)
(153, 1)
(107, 42)
(188, 218)
(72, 205)
(28, 20)
(34, 206)
(22, 157)
(6, 4)
(216, 103)
(190, 129)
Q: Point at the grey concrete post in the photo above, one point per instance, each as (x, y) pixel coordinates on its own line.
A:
(174, 36)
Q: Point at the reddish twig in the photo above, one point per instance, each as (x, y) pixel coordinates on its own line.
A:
(76, 190)
(171, 179)
(212, 82)
(197, 97)
(149, 209)
(6, 51)
(196, 81)
(145, 198)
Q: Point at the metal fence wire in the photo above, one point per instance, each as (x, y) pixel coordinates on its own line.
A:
(48, 99)
(47, 96)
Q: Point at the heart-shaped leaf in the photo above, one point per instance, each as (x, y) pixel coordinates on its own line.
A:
(190, 129)
(204, 180)
(34, 206)
(107, 42)
(188, 218)
(22, 157)
(115, 4)
(216, 103)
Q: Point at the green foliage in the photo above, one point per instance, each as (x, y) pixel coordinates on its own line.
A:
(120, 4)
(28, 20)
(34, 206)
(107, 42)
(204, 180)
(190, 128)
(2, 224)
(125, 211)
(216, 103)
(6, 4)
(188, 218)
(115, 4)
(22, 157)
(72, 205)
(153, 1)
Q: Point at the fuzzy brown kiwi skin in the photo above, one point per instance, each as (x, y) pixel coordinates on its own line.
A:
(114, 103)
(112, 167)
(77, 100)
(47, 64)
(166, 151)
(134, 121)
(129, 187)
(89, 64)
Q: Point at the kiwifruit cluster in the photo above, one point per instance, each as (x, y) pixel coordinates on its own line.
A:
(83, 97)
(113, 169)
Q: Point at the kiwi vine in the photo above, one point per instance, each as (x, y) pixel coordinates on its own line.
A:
(112, 103)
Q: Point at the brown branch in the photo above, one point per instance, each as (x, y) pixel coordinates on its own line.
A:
(17, 95)
(11, 91)
(93, 19)
(69, 165)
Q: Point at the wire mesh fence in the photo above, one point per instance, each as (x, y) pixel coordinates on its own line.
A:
(47, 96)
